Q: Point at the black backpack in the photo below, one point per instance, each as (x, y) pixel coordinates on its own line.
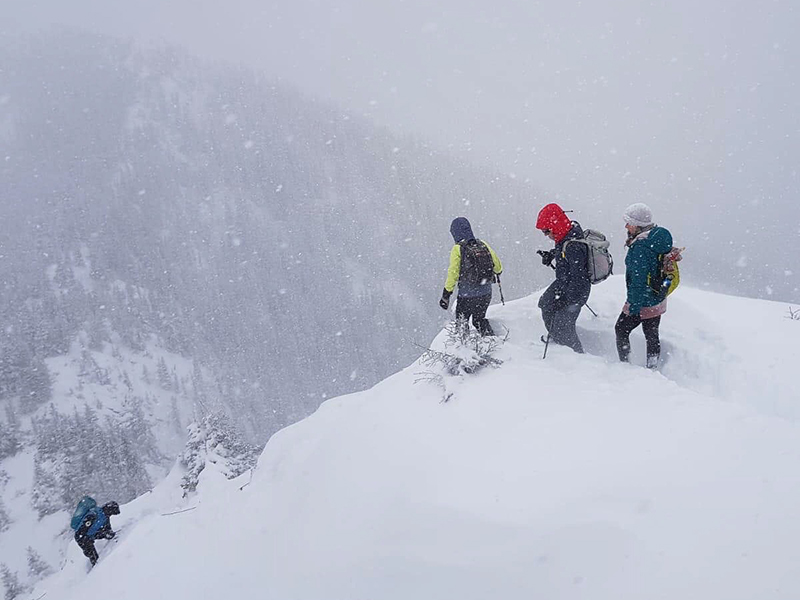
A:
(477, 265)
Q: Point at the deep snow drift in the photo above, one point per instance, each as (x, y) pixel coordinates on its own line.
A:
(574, 477)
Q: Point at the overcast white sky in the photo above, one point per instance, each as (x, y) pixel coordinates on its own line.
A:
(689, 105)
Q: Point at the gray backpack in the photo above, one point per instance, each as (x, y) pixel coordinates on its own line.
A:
(601, 265)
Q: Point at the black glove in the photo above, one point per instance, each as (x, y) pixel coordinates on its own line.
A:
(445, 301)
(547, 256)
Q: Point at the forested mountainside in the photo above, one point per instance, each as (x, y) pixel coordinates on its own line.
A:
(158, 209)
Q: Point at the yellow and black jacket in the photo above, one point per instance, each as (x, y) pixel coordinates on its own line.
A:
(467, 289)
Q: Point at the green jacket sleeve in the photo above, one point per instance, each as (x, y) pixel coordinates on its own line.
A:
(637, 271)
(498, 266)
(454, 270)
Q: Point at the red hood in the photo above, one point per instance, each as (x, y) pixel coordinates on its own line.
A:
(552, 217)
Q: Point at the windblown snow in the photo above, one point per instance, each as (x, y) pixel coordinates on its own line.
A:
(570, 477)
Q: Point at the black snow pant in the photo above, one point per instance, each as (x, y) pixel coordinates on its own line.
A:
(475, 308)
(626, 324)
(86, 542)
(560, 323)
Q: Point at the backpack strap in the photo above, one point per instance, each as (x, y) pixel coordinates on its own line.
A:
(568, 242)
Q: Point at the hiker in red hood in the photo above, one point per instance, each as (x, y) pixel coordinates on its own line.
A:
(561, 302)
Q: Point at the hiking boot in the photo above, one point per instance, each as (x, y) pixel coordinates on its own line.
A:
(652, 362)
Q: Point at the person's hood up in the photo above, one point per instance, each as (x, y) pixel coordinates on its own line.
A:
(552, 217)
(461, 230)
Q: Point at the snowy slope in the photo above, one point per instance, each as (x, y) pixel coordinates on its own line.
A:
(574, 477)
(117, 376)
(110, 382)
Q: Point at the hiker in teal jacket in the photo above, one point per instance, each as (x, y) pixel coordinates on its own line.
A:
(647, 299)
(641, 265)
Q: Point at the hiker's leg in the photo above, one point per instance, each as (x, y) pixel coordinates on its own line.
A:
(87, 545)
(549, 306)
(650, 327)
(625, 325)
(479, 315)
(563, 331)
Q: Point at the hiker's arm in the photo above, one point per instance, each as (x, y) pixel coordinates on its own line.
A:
(564, 267)
(454, 270)
(498, 266)
(577, 256)
(638, 286)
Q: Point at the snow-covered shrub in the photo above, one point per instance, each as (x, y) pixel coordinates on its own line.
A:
(215, 441)
(466, 352)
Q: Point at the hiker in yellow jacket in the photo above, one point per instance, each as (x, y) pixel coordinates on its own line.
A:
(473, 266)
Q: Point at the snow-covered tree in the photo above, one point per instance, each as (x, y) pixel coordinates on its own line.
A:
(25, 375)
(9, 440)
(5, 520)
(126, 380)
(46, 493)
(11, 583)
(79, 454)
(146, 374)
(92, 371)
(96, 330)
(37, 567)
(164, 378)
(175, 416)
(214, 441)
(11, 417)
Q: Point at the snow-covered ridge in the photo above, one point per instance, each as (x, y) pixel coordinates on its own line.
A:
(572, 477)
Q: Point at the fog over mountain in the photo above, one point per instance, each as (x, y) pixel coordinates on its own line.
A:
(193, 246)
(216, 216)
(687, 106)
(294, 250)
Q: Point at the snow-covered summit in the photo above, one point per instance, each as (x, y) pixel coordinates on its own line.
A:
(570, 477)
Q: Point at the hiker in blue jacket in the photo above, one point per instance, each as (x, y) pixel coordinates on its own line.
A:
(92, 522)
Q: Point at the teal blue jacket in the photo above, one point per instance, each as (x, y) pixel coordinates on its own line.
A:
(642, 264)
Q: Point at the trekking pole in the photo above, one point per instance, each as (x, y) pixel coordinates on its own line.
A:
(546, 344)
(500, 286)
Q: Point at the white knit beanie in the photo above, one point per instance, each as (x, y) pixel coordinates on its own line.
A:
(639, 214)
